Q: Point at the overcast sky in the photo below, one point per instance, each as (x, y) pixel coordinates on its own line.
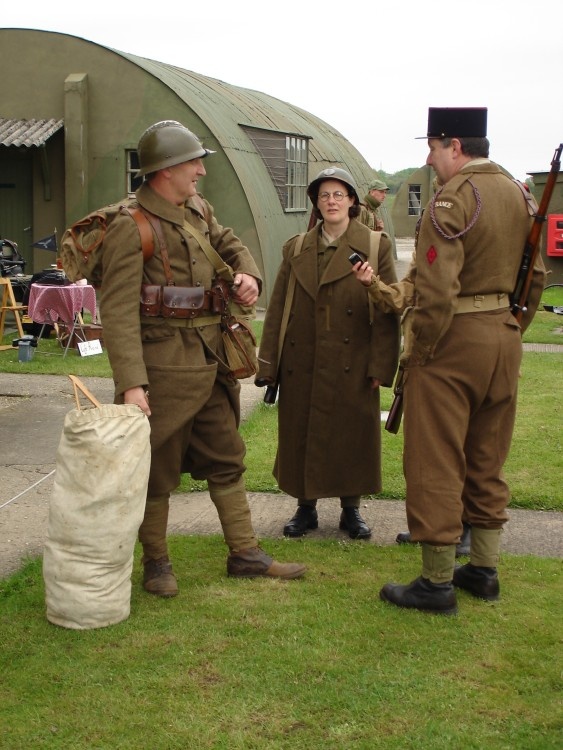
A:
(371, 70)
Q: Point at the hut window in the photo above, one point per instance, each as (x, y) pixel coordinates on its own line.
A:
(297, 159)
(286, 158)
(133, 181)
(415, 202)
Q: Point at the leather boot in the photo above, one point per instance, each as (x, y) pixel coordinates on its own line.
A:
(422, 594)
(462, 548)
(480, 582)
(352, 522)
(305, 518)
(254, 563)
(158, 577)
(433, 591)
(464, 544)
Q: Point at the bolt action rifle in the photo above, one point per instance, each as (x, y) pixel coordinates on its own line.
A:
(519, 298)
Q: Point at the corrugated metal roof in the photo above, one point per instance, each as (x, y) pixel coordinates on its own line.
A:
(27, 132)
(210, 98)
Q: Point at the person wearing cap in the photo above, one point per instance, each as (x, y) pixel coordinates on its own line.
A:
(461, 361)
(336, 352)
(373, 212)
(172, 365)
(370, 213)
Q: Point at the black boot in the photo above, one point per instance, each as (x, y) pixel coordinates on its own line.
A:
(404, 537)
(481, 582)
(305, 518)
(465, 542)
(352, 522)
(422, 594)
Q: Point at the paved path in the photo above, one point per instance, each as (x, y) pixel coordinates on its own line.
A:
(32, 410)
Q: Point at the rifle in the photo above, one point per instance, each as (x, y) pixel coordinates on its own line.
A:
(393, 420)
(519, 298)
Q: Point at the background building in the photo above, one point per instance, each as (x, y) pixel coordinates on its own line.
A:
(72, 111)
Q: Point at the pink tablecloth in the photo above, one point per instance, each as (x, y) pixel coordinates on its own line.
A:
(50, 303)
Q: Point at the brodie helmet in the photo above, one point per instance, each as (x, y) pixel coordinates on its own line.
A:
(332, 173)
(167, 143)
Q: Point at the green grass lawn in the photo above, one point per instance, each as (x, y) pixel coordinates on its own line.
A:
(315, 663)
(267, 665)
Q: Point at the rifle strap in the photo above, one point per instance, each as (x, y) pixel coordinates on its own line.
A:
(528, 197)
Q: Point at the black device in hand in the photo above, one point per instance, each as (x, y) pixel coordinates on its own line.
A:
(355, 258)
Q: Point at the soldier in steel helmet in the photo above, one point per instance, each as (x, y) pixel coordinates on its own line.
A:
(336, 353)
(173, 367)
(461, 362)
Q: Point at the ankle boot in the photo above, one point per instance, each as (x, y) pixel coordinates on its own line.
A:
(462, 548)
(433, 591)
(254, 563)
(352, 522)
(422, 594)
(159, 578)
(464, 544)
(305, 518)
(480, 582)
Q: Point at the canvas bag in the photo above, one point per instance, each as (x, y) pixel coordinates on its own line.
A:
(236, 325)
(96, 508)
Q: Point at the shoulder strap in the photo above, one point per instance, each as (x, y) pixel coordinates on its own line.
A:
(373, 260)
(374, 240)
(288, 298)
(223, 270)
(147, 240)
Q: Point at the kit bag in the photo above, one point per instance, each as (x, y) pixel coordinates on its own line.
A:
(97, 506)
(82, 244)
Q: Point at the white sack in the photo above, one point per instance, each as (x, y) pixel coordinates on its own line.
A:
(96, 509)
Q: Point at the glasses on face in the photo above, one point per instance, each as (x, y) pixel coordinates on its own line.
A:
(338, 196)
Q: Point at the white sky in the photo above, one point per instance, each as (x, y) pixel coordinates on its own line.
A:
(371, 70)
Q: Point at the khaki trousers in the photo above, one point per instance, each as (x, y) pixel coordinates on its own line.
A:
(459, 418)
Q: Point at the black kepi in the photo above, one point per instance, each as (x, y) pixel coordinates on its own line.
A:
(457, 122)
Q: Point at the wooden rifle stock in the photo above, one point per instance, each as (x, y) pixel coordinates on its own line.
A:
(393, 420)
(519, 300)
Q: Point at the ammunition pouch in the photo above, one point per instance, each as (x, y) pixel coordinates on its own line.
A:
(180, 301)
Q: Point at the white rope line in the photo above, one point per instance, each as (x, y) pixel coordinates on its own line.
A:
(28, 489)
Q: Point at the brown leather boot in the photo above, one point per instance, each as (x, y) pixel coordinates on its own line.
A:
(158, 577)
(254, 563)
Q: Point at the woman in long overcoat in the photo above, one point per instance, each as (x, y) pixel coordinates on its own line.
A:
(337, 350)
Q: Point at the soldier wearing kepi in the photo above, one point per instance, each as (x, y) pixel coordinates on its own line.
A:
(173, 367)
(462, 363)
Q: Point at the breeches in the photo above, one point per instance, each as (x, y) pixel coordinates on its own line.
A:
(208, 446)
(459, 418)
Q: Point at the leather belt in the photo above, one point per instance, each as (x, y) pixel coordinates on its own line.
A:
(482, 303)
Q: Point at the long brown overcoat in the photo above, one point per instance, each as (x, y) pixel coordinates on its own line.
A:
(329, 417)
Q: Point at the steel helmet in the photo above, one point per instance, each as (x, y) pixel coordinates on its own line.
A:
(167, 143)
(332, 173)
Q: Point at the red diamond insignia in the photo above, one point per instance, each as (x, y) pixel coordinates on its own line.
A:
(431, 255)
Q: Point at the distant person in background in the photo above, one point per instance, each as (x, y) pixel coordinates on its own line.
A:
(374, 214)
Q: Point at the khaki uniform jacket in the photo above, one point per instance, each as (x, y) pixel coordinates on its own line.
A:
(180, 376)
(483, 260)
(329, 417)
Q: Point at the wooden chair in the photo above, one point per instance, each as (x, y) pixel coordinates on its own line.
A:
(9, 305)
